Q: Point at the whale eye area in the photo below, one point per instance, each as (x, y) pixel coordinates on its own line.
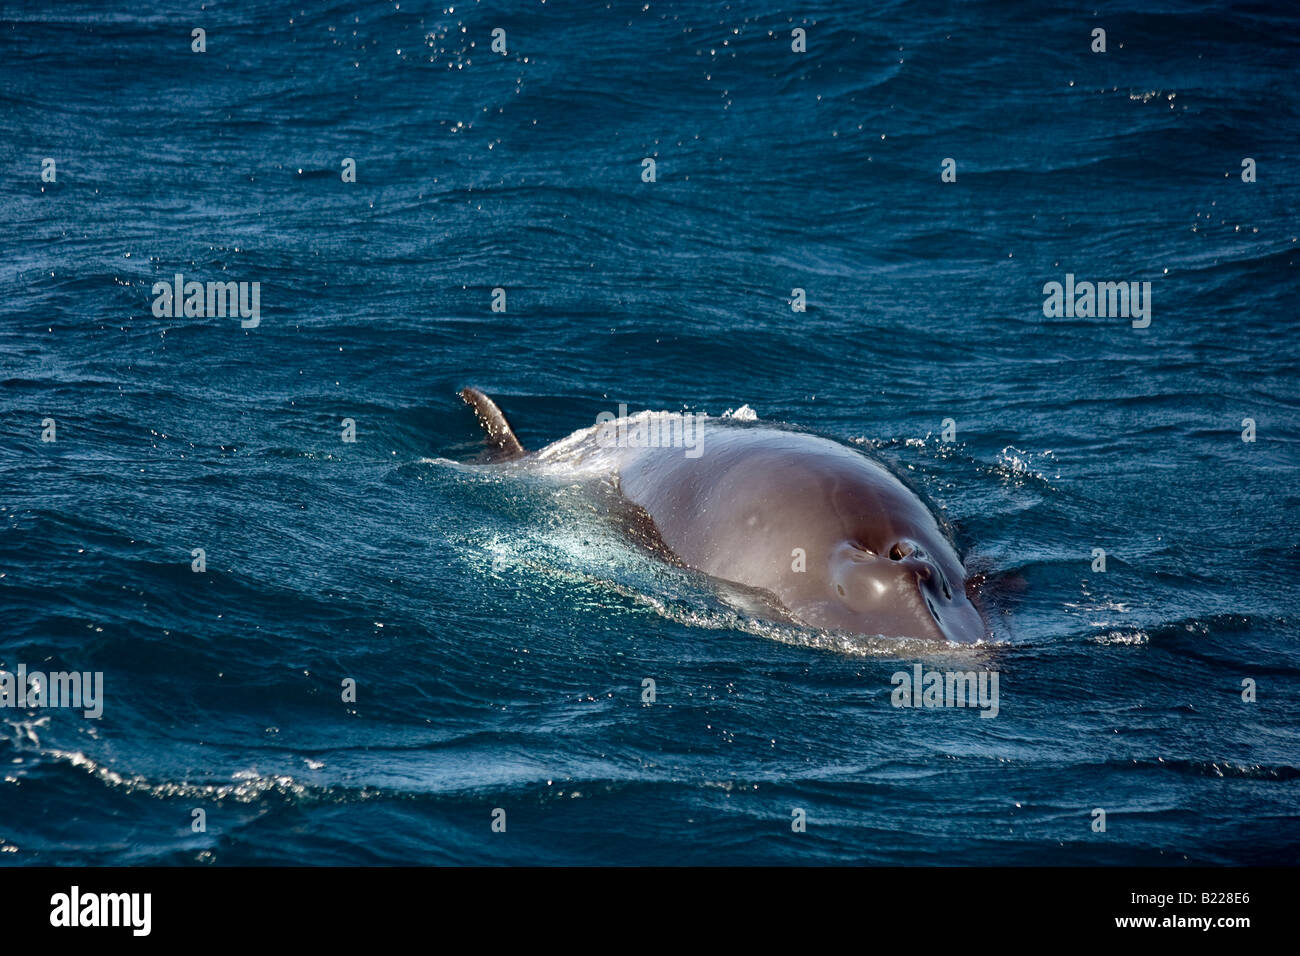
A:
(900, 550)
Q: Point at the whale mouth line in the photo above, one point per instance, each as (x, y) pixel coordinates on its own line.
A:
(938, 621)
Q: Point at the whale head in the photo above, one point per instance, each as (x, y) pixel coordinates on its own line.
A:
(898, 587)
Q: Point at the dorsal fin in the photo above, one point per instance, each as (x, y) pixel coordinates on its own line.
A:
(500, 435)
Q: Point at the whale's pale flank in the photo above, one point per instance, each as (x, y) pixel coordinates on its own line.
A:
(815, 533)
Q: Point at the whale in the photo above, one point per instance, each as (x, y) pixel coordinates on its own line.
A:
(806, 530)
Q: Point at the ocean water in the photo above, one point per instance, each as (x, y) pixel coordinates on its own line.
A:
(496, 625)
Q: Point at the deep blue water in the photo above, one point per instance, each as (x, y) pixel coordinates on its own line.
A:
(498, 628)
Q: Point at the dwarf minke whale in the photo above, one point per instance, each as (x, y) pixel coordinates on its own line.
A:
(822, 535)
